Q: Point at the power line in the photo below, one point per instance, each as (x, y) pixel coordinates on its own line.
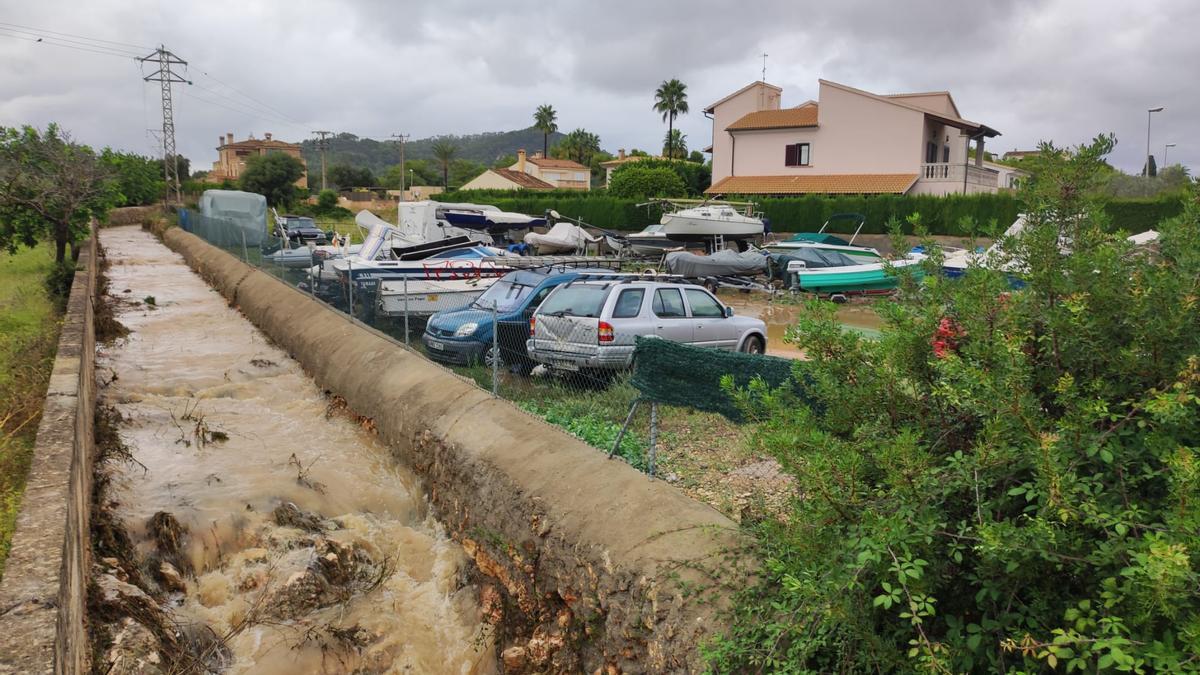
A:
(259, 113)
(50, 41)
(323, 145)
(91, 45)
(81, 37)
(253, 114)
(249, 97)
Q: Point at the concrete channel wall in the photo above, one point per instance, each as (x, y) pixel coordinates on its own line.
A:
(44, 591)
(582, 560)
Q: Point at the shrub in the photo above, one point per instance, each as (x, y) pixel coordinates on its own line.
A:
(1006, 480)
(637, 182)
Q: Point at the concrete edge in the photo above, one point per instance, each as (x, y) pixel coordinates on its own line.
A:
(44, 591)
(561, 530)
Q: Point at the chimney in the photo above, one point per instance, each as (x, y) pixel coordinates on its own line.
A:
(220, 141)
(229, 138)
(267, 135)
(621, 153)
(521, 160)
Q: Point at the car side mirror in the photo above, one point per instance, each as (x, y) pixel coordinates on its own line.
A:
(728, 312)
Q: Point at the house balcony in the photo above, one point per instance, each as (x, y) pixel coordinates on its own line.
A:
(947, 178)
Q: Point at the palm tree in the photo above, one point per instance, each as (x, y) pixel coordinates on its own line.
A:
(578, 145)
(444, 152)
(545, 120)
(675, 143)
(670, 99)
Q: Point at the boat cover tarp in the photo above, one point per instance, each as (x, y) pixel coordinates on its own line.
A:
(725, 262)
(245, 210)
(813, 258)
(820, 238)
(561, 237)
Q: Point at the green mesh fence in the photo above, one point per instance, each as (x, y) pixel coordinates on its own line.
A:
(683, 375)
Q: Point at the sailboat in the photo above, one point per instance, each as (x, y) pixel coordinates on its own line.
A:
(712, 221)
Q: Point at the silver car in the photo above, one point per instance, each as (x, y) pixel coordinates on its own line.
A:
(591, 325)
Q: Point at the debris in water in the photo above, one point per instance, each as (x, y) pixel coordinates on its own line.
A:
(168, 535)
(288, 514)
(149, 300)
(263, 363)
(302, 474)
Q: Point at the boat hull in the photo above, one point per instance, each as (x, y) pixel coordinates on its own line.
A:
(862, 253)
(859, 279)
(690, 228)
(422, 297)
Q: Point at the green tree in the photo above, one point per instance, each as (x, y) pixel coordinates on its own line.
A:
(444, 152)
(139, 179)
(1006, 480)
(345, 176)
(50, 187)
(696, 156)
(504, 161)
(675, 144)
(183, 164)
(273, 176)
(463, 170)
(545, 120)
(670, 99)
(579, 145)
(327, 200)
(634, 181)
(696, 177)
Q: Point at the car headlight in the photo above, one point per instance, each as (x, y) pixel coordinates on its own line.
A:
(466, 329)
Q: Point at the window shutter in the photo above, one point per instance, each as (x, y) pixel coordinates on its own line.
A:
(791, 155)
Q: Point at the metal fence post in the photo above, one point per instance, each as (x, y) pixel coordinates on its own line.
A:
(653, 438)
(312, 276)
(245, 251)
(495, 353)
(350, 285)
(406, 310)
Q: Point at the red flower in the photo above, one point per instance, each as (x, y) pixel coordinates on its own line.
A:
(946, 337)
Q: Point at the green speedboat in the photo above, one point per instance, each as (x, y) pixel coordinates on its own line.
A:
(828, 272)
(825, 241)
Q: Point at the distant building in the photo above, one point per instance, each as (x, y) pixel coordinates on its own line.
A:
(621, 160)
(232, 156)
(849, 141)
(1012, 155)
(1009, 177)
(562, 174)
(506, 179)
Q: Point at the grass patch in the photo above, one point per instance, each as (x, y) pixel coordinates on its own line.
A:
(28, 337)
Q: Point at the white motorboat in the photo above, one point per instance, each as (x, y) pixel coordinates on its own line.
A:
(651, 241)
(825, 241)
(562, 238)
(423, 297)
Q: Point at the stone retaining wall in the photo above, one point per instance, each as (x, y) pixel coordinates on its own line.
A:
(583, 560)
(44, 590)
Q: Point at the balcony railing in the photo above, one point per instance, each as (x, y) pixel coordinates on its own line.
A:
(939, 172)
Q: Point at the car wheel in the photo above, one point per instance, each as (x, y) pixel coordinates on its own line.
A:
(490, 355)
(752, 345)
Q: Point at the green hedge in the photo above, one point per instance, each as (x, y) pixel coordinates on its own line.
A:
(942, 215)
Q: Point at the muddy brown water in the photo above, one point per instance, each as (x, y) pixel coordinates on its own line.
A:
(858, 315)
(194, 367)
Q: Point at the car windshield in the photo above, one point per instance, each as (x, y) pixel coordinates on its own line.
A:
(575, 301)
(300, 223)
(505, 296)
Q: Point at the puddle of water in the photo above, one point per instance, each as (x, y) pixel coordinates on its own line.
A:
(856, 315)
(191, 367)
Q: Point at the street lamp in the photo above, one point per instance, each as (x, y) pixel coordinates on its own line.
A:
(1149, 112)
(1165, 148)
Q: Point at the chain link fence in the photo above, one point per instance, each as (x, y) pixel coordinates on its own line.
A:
(576, 374)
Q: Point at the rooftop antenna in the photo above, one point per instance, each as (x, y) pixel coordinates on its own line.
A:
(764, 57)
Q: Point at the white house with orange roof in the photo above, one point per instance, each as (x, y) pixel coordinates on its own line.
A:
(563, 174)
(848, 141)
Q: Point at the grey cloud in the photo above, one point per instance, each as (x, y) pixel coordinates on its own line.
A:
(1035, 69)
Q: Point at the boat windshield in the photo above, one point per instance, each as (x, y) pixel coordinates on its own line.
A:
(505, 296)
(656, 227)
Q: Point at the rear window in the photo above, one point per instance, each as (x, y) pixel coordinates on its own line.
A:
(575, 301)
(505, 296)
(668, 303)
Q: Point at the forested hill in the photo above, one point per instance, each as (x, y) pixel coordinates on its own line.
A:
(377, 155)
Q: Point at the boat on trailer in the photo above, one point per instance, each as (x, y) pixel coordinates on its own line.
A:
(830, 242)
(834, 273)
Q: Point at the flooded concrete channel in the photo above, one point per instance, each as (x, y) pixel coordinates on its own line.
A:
(260, 513)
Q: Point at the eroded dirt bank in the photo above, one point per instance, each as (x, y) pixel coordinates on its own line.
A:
(273, 531)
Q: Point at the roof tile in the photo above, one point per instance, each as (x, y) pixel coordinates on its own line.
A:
(523, 179)
(863, 183)
(787, 118)
(549, 163)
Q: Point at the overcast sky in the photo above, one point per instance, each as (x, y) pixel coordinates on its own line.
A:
(1061, 70)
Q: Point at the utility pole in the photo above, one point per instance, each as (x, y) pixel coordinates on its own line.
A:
(401, 138)
(166, 77)
(323, 145)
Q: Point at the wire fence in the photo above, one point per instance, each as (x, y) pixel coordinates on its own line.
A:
(574, 372)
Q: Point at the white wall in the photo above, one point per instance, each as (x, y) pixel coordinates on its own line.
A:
(758, 97)
(489, 181)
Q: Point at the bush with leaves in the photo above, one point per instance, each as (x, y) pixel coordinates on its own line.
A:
(636, 182)
(273, 176)
(1007, 480)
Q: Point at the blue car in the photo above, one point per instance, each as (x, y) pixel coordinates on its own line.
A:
(464, 336)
